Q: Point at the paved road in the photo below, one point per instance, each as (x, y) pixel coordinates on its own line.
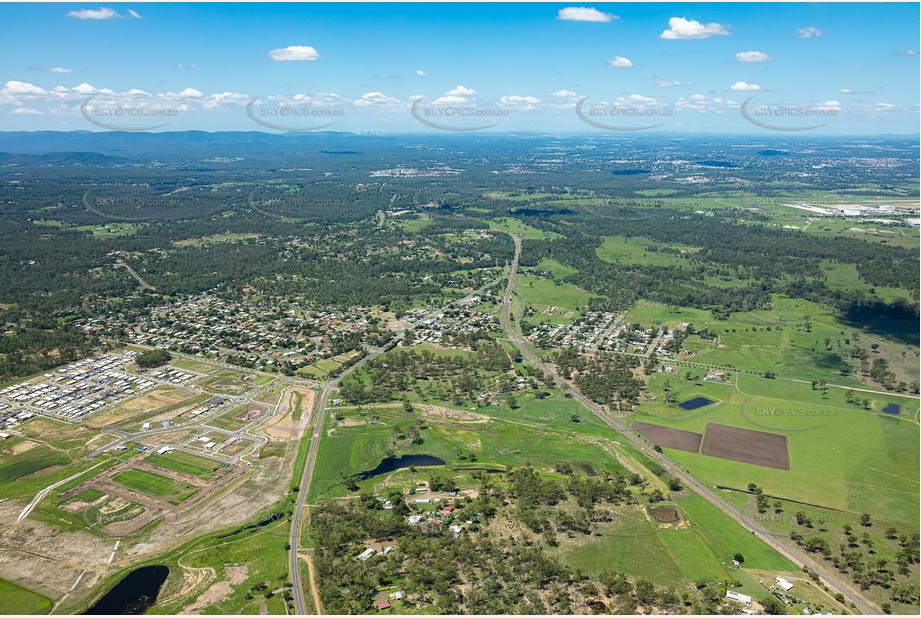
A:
(297, 519)
(791, 551)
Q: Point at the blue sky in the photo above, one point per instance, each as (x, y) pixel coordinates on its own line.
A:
(852, 68)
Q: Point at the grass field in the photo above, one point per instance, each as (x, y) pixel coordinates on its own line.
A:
(184, 462)
(155, 485)
(792, 338)
(509, 440)
(516, 226)
(618, 249)
(841, 455)
(15, 599)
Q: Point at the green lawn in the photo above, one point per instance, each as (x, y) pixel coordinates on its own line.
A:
(155, 485)
(184, 462)
(15, 599)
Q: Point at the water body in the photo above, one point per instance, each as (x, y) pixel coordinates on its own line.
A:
(391, 464)
(693, 404)
(136, 592)
(892, 408)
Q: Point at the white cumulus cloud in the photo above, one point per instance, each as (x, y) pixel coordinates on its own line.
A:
(563, 93)
(294, 52)
(134, 14)
(744, 86)
(375, 98)
(683, 28)
(421, 73)
(461, 91)
(584, 13)
(17, 87)
(620, 62)
(752, 56)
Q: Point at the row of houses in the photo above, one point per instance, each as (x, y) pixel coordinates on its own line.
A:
(80, 388)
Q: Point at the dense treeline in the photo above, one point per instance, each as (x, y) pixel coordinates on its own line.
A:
(778, 260)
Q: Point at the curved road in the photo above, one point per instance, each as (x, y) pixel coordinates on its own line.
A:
(789, 550)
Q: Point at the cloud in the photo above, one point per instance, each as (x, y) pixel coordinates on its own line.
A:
(584, 13)
(638, 98)
(909, 53)
(744, 86)
(620, 62)
(191, 93)
(101, 13)
(17, 87)
(294, 52)
(672, 84)
(525, 103)
(809, 32)
(682, 28)
(752, 56)
(563, 93)
(461, 91)
(421, 73)
(27, 111)
(134, 14)
(370, 99)
(51, 69)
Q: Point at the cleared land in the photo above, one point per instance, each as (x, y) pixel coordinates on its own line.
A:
(754, 447)
(671, 438)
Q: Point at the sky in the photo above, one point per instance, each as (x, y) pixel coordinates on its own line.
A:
(823, 68)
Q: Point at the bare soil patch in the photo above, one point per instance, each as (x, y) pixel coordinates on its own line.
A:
(669, 438)
(755, 447)
(463, 416)
(151, 402)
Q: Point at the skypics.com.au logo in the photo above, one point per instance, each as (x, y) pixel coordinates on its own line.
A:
(788, 117)
(127, 116)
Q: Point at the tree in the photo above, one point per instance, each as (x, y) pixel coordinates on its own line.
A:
(152, 358)
(773, 606)
(865, 520)
(739, 558)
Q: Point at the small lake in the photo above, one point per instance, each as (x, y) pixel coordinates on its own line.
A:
(892, 408)
(136, 592)
(693, 404)
(391, 464)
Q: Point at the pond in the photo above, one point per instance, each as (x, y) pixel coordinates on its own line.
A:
(136, 592)
(693, 404)
(391, 464)
(892, 408)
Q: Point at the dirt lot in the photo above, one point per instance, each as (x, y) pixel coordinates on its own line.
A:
(668, 437)
(140, 407)
(437, 412)
(754, 447)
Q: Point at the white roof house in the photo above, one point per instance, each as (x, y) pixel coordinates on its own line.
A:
(782, 583)
(367, 554)
(738, 596)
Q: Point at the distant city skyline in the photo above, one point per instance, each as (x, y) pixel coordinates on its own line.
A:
(761, 68)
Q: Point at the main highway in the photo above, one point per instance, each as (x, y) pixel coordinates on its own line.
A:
(788, 549)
